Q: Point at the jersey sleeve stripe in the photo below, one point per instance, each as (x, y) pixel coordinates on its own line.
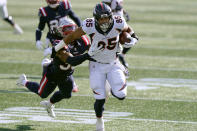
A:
(86, 40)
(43, 11)
(66, 4)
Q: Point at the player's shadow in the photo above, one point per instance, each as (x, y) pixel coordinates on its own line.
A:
(19, 128)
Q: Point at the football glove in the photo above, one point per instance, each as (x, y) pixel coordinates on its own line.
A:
(127, 17)
(47, 51)
(132, 42)
(46, 62)
(39, 45)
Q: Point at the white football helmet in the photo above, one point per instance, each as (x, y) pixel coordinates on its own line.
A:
(66, 26)
(53, 3)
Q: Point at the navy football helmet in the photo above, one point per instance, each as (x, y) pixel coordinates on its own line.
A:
(103, 17)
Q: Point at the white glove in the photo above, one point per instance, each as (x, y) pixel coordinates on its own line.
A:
(131, 43)
(46, 62)
(39, 45)
(94, 49)
(47, 51)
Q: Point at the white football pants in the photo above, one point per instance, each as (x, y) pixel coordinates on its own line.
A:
(113, 73)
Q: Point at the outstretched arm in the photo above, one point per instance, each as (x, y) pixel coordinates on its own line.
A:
(70, 38)
(66, 57)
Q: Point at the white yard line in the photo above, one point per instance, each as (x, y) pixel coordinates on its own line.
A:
(148, 99)
(166, 47)
(165, 121)
(161, 57)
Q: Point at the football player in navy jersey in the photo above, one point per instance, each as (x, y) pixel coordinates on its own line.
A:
(51, 15)
(58, 72)
(78, 46)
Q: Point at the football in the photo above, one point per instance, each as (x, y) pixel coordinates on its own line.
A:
(123, 37)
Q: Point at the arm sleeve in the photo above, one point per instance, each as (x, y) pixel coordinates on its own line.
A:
(38, 34)
(76, 60)
(41, 26)
(74, 17)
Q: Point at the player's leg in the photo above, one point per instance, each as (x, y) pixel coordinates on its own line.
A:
(117, 81)
(32, 86)
(65, 90)
(97, 84)
(9, 19)
(99, 108)
(43, 89)
(4, 14)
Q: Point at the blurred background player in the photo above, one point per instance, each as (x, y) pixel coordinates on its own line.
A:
(117, 9)
(58, 72)
(51, 15)
(7, 18)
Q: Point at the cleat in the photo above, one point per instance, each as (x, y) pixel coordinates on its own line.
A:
(100, 124)
(49, 108)
(22, 80)
(18, 29)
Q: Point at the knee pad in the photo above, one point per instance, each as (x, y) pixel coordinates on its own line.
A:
(99, 107)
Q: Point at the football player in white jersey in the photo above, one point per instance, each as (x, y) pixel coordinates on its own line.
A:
(117, 9)
(7, 18)
(104, 30)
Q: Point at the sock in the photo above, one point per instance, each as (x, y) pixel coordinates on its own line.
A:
(57, 96)
(32, 86)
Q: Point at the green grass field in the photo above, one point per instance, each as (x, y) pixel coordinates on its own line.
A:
(162, 88)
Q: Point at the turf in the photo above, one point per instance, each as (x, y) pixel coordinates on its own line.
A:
(162, 91)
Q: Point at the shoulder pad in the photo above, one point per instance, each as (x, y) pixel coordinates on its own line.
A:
(66, 3)
(88, 25)
(42, 12)
(119, 22)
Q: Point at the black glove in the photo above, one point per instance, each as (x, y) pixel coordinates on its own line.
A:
(127, 17)
(53, 52)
